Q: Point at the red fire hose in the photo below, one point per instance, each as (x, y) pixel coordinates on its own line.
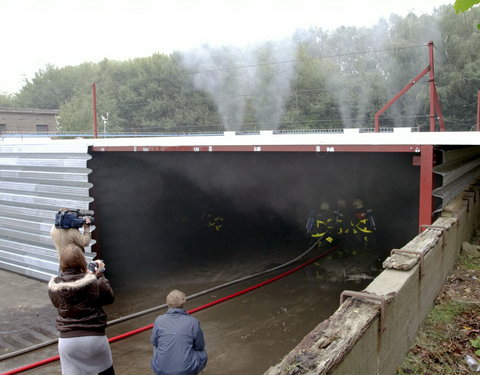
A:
(194, 310)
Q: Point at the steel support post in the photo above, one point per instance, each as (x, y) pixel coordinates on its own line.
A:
(426, 186)
(431, 82)
(478, 111)
(94, 110)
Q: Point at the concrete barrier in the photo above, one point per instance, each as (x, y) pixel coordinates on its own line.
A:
(372, 331)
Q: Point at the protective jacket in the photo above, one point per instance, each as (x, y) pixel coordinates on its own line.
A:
(178, 344)
(342, 221)
(72, 236)
(363, 226)
(79, 298)
(323, 225)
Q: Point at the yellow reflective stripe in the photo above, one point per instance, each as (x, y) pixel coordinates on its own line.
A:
(364, 230)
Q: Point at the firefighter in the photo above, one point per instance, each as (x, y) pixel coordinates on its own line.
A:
(215, 222)
(323, 225)
(363, 224)
(341, 219)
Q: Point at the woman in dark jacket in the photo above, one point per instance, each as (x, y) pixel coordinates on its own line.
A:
(79, 295)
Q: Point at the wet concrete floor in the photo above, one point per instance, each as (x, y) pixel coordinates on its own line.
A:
(245, 335)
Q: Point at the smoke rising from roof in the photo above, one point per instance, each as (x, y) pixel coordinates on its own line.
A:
(362, 69)
(241, 79)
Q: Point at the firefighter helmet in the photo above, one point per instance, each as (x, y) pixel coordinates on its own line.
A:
(325, 206)
(357, 203)
(341, 203)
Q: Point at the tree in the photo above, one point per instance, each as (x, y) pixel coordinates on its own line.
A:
(310, 104)
(7, 100)
(319, 79)
(459, 63)
(52, 87)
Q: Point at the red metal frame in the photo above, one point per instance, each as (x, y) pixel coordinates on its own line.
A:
(94, 110)
(264, 148)
(478, 112)
(424, 158)
(426, 186)
(434, 102)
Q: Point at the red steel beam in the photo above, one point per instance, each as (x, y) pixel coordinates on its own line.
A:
(431, 82)
(439, 111)
(426, 186)
(396, 97)
(478, 112)
(94, 110)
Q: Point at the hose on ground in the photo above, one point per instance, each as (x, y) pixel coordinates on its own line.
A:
(202, 307)
(159, 307)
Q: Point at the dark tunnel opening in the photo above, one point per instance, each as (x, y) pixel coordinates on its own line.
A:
(158, 212)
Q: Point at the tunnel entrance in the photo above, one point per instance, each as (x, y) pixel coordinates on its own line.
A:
(159, 211)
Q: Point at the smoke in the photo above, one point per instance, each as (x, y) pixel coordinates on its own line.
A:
(366, 67)
(249, 85)
(362, 69)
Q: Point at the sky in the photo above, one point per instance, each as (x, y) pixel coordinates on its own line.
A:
(36, 33)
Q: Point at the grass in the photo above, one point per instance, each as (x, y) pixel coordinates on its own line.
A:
(469, 262)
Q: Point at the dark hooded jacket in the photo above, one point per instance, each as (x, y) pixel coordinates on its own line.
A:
(79, 298)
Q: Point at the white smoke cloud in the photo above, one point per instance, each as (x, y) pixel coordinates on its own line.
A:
(234, 77)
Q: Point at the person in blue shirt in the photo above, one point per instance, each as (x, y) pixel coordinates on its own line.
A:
(178, 341)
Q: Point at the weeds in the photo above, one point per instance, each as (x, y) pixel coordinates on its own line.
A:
(452, 329)
(469, 262)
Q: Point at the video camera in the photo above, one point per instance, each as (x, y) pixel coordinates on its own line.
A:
(93, 267)
(66, 219)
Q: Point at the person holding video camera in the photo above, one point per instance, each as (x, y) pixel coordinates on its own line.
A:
(66, 230)
(78, 294)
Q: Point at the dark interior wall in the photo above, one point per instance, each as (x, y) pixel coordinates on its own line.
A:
(152, 205)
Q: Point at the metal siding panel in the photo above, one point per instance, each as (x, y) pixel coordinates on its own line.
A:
(35, 181)
(459, 169)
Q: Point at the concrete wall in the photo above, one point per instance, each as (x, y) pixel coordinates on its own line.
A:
(361, 339)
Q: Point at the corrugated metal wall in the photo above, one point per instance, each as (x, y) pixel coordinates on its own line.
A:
(35, 181)
(459, 169)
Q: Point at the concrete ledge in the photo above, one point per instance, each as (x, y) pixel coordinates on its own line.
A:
(361, 336)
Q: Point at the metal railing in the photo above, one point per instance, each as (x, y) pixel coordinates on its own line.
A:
(133, 134)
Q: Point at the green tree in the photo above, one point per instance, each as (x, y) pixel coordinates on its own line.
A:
(341, 78)
(7, 100)
(75, 115)
(458, 72)
(52, 87)
(310, 104)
